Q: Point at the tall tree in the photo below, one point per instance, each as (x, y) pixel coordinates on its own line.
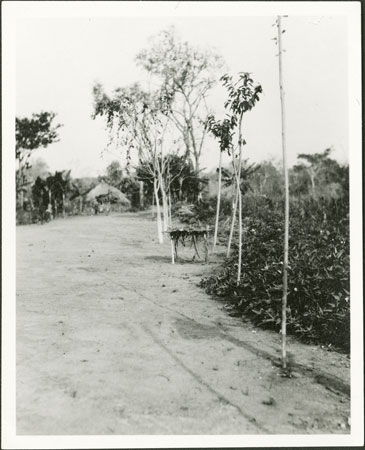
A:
(59, 185)
(114, 174)
(40, 194)
(317, 166)
(181, 178)
(222, 130)
(186, 74)
(139, 121)
(31, 134)
(242, 97)
(268, 180)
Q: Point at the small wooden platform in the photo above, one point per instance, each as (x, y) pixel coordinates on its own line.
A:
(191, 235)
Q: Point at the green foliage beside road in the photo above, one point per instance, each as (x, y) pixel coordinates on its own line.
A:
(319, 267)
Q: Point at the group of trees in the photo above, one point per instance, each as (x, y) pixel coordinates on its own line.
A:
(184, 75)
(52, 191)
(145, 121)
(42, 189)
(183, 183)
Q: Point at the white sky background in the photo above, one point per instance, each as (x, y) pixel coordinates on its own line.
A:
(58, 61)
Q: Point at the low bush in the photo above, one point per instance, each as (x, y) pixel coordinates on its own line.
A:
(202, 211)
(27, 217)
(318, 277)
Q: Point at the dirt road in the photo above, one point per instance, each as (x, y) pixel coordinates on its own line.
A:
(114, 339)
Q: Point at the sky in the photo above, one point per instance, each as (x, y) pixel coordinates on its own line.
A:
(59, 59)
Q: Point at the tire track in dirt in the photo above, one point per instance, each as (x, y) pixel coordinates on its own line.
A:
(199, 380)
(325, 379)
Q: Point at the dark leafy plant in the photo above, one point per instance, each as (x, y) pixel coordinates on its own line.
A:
(318, 272)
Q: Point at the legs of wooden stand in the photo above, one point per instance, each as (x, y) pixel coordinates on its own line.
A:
(195, 247)
(172, 251)
(174, 245)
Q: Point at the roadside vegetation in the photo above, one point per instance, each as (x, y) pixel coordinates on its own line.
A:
(318, 271)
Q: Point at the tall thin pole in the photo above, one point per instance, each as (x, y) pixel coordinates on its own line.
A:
(239, 200)
(218, 201)
(286, 183)
(158, 212)
(235, 195)
(153, 207)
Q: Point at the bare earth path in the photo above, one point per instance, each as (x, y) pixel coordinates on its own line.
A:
(113, 339)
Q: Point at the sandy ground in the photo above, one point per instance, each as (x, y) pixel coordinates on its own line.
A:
(114, 339)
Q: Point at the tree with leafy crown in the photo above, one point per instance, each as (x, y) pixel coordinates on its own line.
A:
(185, 74)
(138, 122)
(243, 95)
(31, 134)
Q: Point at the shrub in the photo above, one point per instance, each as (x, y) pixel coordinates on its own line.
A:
(27, 217)
(318, 277)
(202, 211)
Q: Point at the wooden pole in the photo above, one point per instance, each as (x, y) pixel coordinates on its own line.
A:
(206, 236)
(170, 209)
(153, 205)
(158, 211)
(234, 210)
(63, 205)
(286, 183)
(141, 195)
(218, 201)
(239, 202)
(172, 251)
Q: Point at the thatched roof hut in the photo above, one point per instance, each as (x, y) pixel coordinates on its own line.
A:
(104, 191)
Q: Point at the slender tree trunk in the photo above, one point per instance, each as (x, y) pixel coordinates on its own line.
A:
(234, 208)
(218, 201)
(21, 199)
(153, 205)
(158, 211)
(141, 195)
(180, 188)
(239, 201)
(170, 208)
(311, 174)
(165, 209)
(19, 184)
(50, 199)
(240, 233)
(197, 165)
(63, 205)
(234, 212)
(193, 143)
(286, 183)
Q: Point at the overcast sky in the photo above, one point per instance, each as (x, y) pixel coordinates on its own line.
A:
(58, 61)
